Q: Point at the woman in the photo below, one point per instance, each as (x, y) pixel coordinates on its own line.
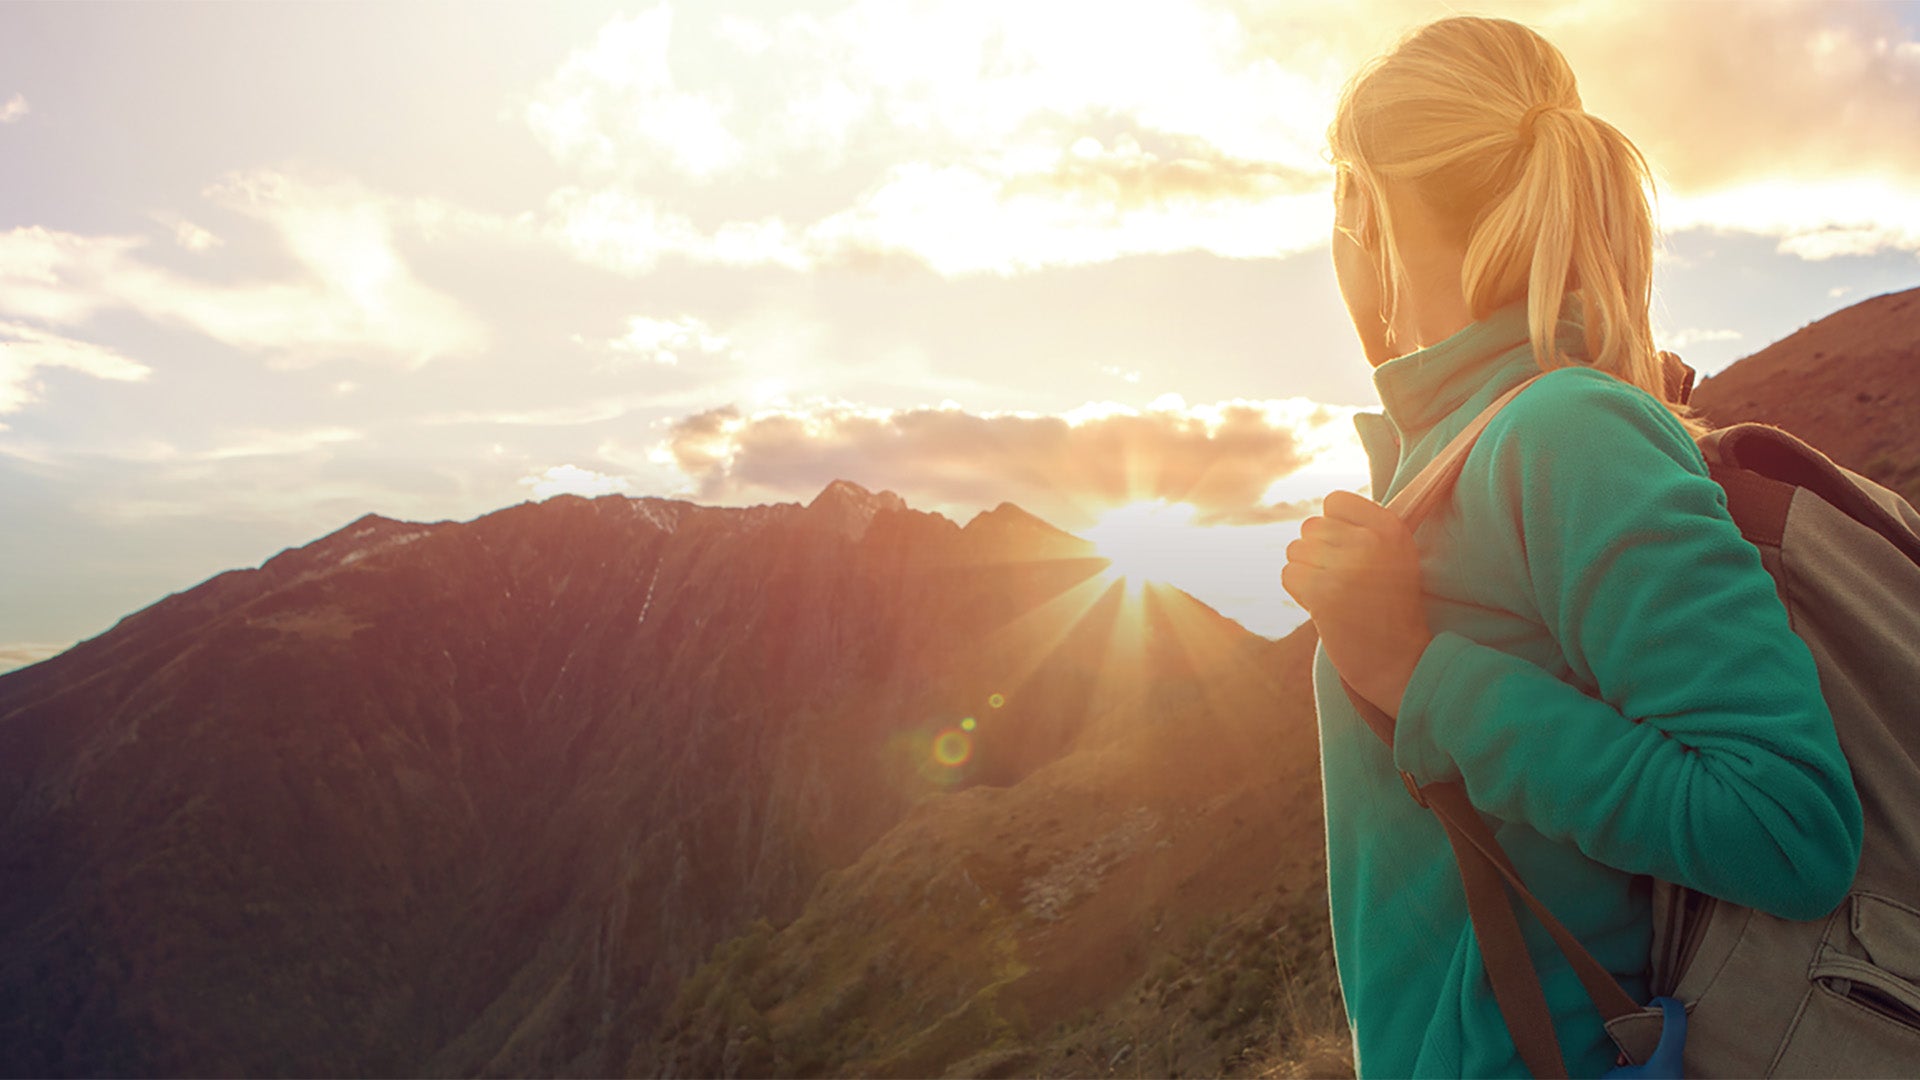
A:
(1581, 636)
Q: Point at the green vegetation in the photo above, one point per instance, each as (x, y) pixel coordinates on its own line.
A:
(1247, 993)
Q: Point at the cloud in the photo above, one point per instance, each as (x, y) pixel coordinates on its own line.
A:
(572, 480)
(202, 463)
(25, 349)
(1221, 458)
(358, 293)
(968, 220)
(1813, 219)
(1787, 91)
(1685, 338)
(15, 108)
(1010, 137)
(615, 107)
(51, 277)
(294, 484)
(665, 341)
(628, 232)
(264, 443)
(998, 136)
(590, 412)
(1789, 120)
(18, 654)
(193, 237)
(352, 295)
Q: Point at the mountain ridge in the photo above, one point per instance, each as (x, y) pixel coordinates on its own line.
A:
(542, 760)
(1849, 383)
(633, 785)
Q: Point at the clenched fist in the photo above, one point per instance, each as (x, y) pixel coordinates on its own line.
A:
(1356, 571)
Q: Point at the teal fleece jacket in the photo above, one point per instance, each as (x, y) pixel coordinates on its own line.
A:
(1613, 677)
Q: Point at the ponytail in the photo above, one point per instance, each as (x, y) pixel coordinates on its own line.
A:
(1482, 118)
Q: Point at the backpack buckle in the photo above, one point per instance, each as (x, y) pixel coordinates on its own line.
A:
(1413, 789)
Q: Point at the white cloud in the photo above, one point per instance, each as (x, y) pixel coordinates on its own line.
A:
(1814, 219)
(264, 443)
(614, 106)
(1001, 136)
(977, 73)
(13, 109)
(591, 412)
(354, 296)
(1680, 340)
(619, 230)
(966, 220)
(665, 341)
(977, 105)
(572, 480)
(359, 294)
(51, 277)
(193, 237)
(25, 349)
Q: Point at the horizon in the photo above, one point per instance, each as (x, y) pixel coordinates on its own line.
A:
(267, 270)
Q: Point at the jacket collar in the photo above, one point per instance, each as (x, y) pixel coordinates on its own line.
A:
(1426, 386)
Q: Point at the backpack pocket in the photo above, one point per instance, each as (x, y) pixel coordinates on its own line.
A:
(1861, 1015)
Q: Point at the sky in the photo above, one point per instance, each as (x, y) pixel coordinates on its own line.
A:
(265, 268)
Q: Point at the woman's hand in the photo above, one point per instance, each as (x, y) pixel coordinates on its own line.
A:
(1357, 572)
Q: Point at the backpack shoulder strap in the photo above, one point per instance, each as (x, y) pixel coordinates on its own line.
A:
(1485, 870)
(1434, 483)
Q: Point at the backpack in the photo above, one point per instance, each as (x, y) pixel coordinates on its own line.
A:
(1739, 992)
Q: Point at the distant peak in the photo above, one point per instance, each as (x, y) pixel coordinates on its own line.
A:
(846, 492)
(849, 508)
(367, 525)
(1008, 514)
(1008, 523)
(842, 489)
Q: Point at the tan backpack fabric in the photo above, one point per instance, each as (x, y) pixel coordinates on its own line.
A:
(1764, 996)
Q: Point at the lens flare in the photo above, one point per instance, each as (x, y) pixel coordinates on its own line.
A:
(968, 724)
(996, 700)
(952, 748)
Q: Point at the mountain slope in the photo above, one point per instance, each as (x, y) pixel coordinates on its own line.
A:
(633, 785)
(464, 798)
(1157, 909)
(1155, 902)
(1849, 384)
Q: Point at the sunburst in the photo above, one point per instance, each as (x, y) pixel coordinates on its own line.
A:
(1145, 541)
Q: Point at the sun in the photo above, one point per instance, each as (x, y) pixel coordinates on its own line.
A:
(1146, 541)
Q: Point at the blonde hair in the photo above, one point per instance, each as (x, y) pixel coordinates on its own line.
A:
(1481, 119)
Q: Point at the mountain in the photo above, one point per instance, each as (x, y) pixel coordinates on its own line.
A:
(635, 786)
(1849, 384)
(477, 798)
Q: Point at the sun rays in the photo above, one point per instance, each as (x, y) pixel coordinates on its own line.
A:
(1145, 541)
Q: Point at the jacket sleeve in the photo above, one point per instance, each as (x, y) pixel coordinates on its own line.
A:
(1690, 740)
